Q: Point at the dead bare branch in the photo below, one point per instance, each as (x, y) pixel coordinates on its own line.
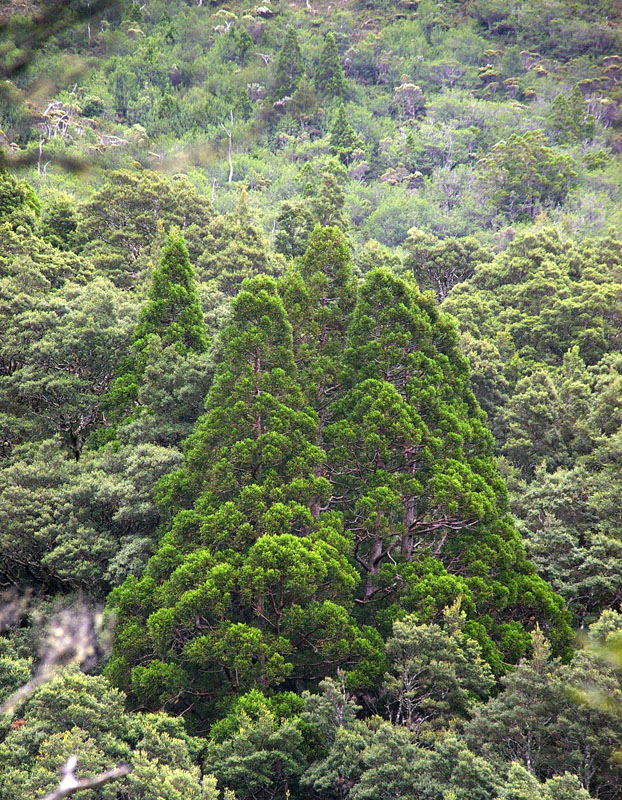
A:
(69, 784)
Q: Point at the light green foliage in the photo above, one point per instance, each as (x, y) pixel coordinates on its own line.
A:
(15, 670)
(254, 752)
(332, 709)
(543, 322)
(64, 350)
(439, 264)
(524, 175)
(19, 205)
(59, 221)
(435, 675)
(327, 205)
(124, 217)
(84, 524)
(392, 765)
(75, 713)
(233, 249)
(520, 785)
(293, 226)
(575, 737)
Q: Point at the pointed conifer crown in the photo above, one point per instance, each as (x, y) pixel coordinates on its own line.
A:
(173, 311)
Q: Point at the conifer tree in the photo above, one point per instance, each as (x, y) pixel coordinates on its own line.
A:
(293, 226)
(289, 67)
(320, 295)
(172, 313)
(254, 589)
(327, 206)
(329, 77)
(343, 139)
(412, 459)
(234, 249)
(569, 118)
(173, 310)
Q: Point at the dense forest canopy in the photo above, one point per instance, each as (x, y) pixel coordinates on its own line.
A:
(311, 399)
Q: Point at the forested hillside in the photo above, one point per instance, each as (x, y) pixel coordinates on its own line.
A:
(311, 399)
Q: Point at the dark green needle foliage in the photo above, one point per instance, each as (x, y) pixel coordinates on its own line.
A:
(255, 581)
(344, 141)
(329, 78)
(172, 317)
(289, 67)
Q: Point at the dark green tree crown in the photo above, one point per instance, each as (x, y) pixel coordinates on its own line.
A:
(173, 310)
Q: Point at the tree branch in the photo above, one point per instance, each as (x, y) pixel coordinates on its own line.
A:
(69, 784)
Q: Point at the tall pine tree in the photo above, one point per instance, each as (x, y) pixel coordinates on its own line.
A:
(172, 315)
(329, 78)
(412, 460)
(343, 138)
(248, 588)
(289, 67)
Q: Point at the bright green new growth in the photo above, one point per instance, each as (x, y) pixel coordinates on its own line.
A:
(255, 584)
(360, 414)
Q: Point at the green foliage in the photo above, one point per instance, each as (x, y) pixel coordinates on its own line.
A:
(126, 215)
(293, 226)
(511, 726)
(435, 675)
(343, 139)
(59, 221)
(414, 464)
(233, 248)
(173, 309)
(259, 757)
(289, 67)
(306, 523)
(569, 118)
(524, 175)
(19, 204)
(329, 78)
(64, 349)
(249, 483)
(439, 264)
(75, 713)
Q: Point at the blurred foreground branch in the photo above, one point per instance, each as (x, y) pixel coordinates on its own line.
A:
(70, 784)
